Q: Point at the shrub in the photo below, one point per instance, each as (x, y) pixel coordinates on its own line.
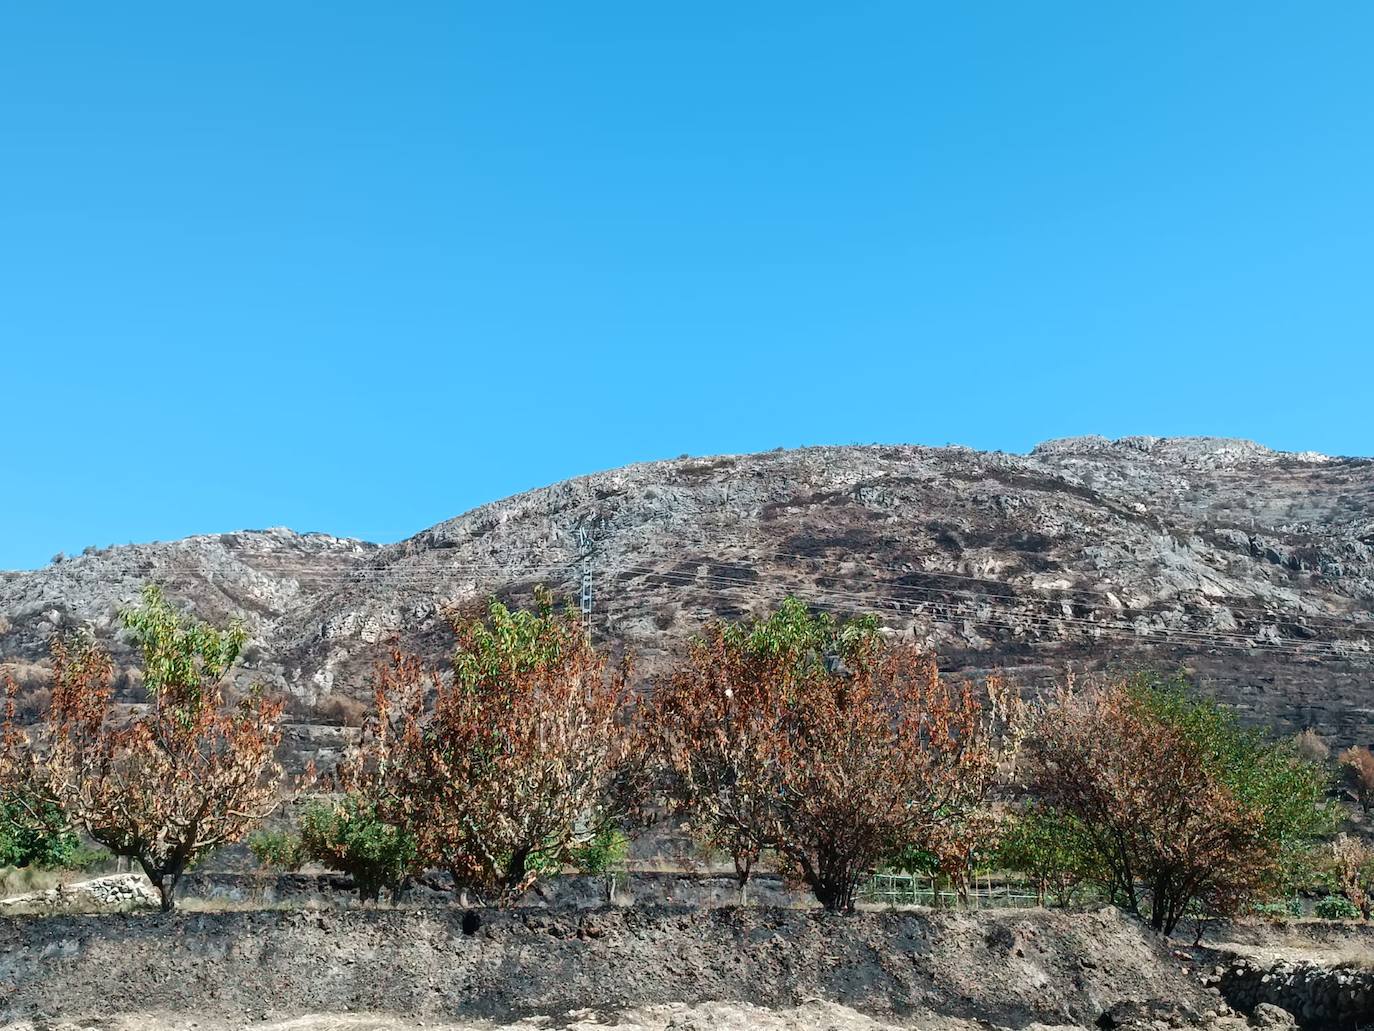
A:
(34, 832)
(1182, 807)
(813, 739)
(604, 855)
(348, 836)
(1311, 746)
(1337, 907)
(343, 710)
(1052, 849)
(1351, 863)
(1279, 910)
(277, 850)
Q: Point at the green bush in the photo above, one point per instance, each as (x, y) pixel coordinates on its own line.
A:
(1280, 910)
(1337, 907)
(1052, 850)
(36, 834)
(347, 836)
(606, 851)
(604, 854)
(277, 850)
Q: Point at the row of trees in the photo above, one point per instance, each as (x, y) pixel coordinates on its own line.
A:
(820, 743)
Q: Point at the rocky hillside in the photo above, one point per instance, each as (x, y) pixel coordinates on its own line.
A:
(1252, 568)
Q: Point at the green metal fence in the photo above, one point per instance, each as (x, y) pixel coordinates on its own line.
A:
(905, 889)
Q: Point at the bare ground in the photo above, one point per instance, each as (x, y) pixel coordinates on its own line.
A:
(717, 1016)
(634, 970)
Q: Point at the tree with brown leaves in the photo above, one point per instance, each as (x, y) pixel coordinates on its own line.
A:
(815, 740)
(503, 769)
(162, 786)
(1179, 808)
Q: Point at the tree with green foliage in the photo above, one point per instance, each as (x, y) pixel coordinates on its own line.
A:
(1180, 808)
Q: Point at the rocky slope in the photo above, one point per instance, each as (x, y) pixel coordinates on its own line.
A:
(1253, 568)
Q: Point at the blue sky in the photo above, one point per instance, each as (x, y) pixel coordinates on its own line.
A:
(357, 267)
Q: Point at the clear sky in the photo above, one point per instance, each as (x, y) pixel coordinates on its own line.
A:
(359, 266)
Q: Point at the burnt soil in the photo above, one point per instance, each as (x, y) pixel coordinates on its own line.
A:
(1013, 968)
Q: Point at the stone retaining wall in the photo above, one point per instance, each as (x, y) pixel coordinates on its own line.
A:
(118, 891)
(1318, 996)
(336, 891)
(564, 891)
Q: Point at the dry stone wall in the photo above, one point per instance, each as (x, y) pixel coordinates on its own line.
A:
(1317, 996)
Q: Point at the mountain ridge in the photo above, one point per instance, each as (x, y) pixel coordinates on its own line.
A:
(1252, 568)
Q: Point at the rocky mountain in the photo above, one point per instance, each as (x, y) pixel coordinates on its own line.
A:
(1253, 569)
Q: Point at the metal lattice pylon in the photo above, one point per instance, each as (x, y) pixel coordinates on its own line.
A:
(584, 561)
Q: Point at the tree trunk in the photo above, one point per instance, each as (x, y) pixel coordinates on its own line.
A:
(165, 881)
(460, 893)
(1157, 916)
(743, 868)
(836, 895)
(515, 873)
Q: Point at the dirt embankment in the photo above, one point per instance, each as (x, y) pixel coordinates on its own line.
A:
(1013, 969)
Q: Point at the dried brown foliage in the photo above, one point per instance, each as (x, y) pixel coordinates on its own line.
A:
(341, 710)
(1163, 827)
(163, 786)
(1311, 745)
(500, 770)
(835, 763)
(1352, 863)
(1357, 774)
